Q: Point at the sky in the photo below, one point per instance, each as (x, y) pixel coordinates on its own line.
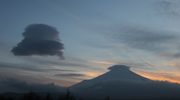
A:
(93, 35)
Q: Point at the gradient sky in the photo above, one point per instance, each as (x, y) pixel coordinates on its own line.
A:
(97, 34)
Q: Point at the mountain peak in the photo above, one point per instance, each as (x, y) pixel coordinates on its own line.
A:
(120, 72)
(119, 67)
(121, 82)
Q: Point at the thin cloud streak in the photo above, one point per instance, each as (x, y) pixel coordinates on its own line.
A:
(69, 62)
(28, 68)
(143, 38)
(70, 75)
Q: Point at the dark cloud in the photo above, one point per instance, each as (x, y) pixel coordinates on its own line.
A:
(24, 86)
(177, 55)
(144, 39)
(173, 54)
(166, 8)
(28, 67)
(39, 39)
(70, 75)
(169, 55)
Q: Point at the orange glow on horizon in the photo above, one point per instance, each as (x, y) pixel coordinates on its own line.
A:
(160, 77)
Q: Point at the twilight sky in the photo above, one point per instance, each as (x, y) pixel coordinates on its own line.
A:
(96, 34)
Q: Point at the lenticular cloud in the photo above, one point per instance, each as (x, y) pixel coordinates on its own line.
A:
(39, 39)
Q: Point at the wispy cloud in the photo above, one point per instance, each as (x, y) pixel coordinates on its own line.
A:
(91, 74)
(28, 67)
(104, 62)
(173, 63)
(143, 38)
(176, 55)
(70, 75)
(69, 62)
(167, 8)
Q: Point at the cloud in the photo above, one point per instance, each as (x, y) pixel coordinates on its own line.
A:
(70, 75)
(69, 62)
(176, 55)
(39, 39)
(173, 63)
(24, 86)
(169, 55)
(28, 68)
(173, 54)
(143, 38)
(166, 8)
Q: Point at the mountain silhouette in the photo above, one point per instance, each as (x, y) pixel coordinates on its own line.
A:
(121, 82)
(122, 72)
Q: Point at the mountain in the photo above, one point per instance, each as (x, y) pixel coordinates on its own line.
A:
(116, 72)
(121, 82)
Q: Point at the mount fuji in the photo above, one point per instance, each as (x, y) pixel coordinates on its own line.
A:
(116, 72)
(121, 82)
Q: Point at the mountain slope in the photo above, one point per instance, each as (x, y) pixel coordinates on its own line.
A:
(121, 82)
(116, 72)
